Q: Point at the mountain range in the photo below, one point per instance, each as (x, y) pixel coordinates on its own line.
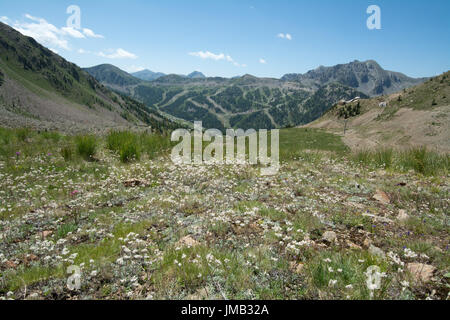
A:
(252, 102)
(368, 77)
(37, 85)
(148, 75)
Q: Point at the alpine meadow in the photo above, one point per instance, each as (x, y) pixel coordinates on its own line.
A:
(317, 173)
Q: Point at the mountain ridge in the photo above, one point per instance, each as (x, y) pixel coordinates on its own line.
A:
(40, 87)
(367, 76)
(147, 75)
(268, 103)
(417, 116)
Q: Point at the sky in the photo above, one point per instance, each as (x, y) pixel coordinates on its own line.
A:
(236, 37)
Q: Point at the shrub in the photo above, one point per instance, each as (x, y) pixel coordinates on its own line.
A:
(154, 144)
(6, 136)
(23, 134)
(125, 143)
(67, 153)
(363, 157)
(116, 140)
(383, 158)
(86, 147)
(129, 152)
(423, 161)
(54, 136)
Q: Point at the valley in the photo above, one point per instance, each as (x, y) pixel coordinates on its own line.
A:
(87, 183)
(251, 102)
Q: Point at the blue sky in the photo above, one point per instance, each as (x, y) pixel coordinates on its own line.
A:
(236, 37)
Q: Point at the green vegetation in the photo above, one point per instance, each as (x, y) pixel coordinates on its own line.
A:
(86, 146)
(343, 274)
(420, 160)
(295, 141)
(67, 153)
(226, 232)
(429, 95)
(130, 145)
(44, 73)
(349, 110)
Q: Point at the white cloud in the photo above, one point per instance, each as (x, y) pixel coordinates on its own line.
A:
(82, 51)
(209, 55)
(91, 34)
(118, 54)
(216, 57)
(49, 35)
(54, 50)
(4, 19)
(262, 61)
(286, 36)
(43, 32)
(72, 32)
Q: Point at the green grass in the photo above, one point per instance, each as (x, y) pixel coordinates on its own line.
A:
(67, 153)
(26, 277)
(347, 268)
(384, 157)
(65, 229)
(253, 265)
(130, 145)
(425, 162)
(86, 146)
(295, 140)
(420, 160)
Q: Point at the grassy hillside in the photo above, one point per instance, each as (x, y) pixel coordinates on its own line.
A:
(41, 88)
(246, 102)
(418, 116)
(112, 75)
(137, 225)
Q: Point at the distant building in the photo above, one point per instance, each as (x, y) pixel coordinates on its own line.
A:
(343, 102)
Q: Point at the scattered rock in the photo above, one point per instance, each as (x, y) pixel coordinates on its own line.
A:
(375, 251)
(367, 242)
(188, 241)
(135, 183)
(45, 234)
(30, 257)
(421, 272)
(201, 294)
(378, 218)
(402, 215)
(438, 249)
(315, 234)
(329, 236)
(382, 197)
(355, 205)
(353, 246)
(10, 265)
(33, 296)
(296, 267)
